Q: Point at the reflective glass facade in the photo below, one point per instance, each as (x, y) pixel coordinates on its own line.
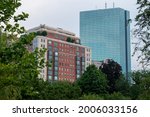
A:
(107, 32)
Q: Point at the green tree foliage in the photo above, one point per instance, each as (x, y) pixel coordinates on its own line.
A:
(91, 97)
(142, 32)
(116, 96)
(19, 68)
(122, 86)
(7, 14)
(41, 33)
(113, 72)
(141, 87)
(62, 90)
(92, 81)
(69, 39)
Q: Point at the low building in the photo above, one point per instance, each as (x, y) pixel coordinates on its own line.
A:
(68, 59)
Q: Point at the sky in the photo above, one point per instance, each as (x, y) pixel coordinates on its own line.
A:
(65, 14)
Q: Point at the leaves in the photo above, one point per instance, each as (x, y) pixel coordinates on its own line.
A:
(142, 32)
(113, 72)
(92, 81)
(141, 87)
(7, 14)
(19, 68)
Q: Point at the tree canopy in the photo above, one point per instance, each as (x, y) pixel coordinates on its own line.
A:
(92, 81)
(19, 68)
(113, 72)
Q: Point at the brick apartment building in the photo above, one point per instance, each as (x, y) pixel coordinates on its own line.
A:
(68, 58)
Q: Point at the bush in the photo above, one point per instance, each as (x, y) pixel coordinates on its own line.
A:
(91, 97)
(62, 90)
(92, 81)
(116, 96)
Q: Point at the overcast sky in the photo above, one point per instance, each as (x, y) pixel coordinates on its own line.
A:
(65, 13)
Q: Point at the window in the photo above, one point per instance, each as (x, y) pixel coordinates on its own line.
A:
(56, 77)
(49, 77)
(83, 54)
(78, 76)
(56, 73)
(56, 58)
(83, 50)
(62, 37)
(77, 53)
(83, 58)
(56, 36)
(50, 52)
(50, 61)
(55, 44)
(56, 49)
(78, 67)
(56, 68)
(49, 72)
(50, 68)
(56, 63)
(49, 47)
(78, 58)
(83, 68)
(43, 46)
(43, 40)
(56, 53)
(50, 57)
(83, 63)
(78, 62)
(49, 42)
(78, 71)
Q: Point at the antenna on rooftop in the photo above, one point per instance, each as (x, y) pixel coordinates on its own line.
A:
(113, 5)
(105, 5)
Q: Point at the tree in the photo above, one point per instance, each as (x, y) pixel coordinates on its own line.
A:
(142, 32)
(41, 33)
(92, 81)
(122, 86)
(62, 90)
(44, 33)
(19, 68)
(7, 14)
(69, 39)
(113, 72)
(141, 87)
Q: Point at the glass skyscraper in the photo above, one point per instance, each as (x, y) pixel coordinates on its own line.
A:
(107, 32)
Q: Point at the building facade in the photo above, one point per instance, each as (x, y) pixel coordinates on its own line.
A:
(68, 60)
(97, 63)
(107, 32)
